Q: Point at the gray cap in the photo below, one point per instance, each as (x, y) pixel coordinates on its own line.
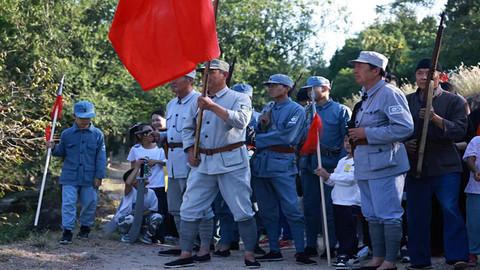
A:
(280, 79)
(191, 74)
(374, 58)
(216, 64)
(317, 81)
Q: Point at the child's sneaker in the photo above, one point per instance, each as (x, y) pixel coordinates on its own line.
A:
(263, 241)
(125, 238)
(285, 244)
(363, 253)
(344, 262)
(145, 239)
(84, 232)
(66, 237)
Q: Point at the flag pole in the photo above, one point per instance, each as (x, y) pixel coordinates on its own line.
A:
(326, 241)
(204, 94)
(49, 152)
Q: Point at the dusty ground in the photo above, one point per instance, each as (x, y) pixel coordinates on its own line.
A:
(107, 252)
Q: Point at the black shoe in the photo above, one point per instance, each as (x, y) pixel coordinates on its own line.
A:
(258, 250)
(223, 253)
(271, 257)
(311, 251)
(234, 245)
(170, 252)
(419, 266)
(66, 237)
(84, 232)
(302, 258)
(252, 265)
(179, 263)
(332, 254)
(368, 268)
(201, 259)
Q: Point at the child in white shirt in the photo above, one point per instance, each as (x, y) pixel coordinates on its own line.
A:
(346, 207)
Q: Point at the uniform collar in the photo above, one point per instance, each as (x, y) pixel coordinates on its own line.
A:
(325, 105)
(220, 93)
(436, 92)
(187, 97)
(76, 128)
(283, 103)
(374, 89)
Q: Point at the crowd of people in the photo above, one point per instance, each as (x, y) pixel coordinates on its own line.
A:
(251, 176)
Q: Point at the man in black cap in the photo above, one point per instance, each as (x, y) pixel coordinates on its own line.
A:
(440, 173)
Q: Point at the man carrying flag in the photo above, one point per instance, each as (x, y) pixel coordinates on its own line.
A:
(334, 118)
(222, 166)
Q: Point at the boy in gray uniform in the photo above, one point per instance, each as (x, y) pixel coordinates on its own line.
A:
(381, 123)
(222, 166)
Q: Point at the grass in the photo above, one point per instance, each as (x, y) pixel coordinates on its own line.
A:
(13, 227)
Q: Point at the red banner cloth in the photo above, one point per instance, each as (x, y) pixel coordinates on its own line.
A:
(161, 40)
(313, 138)
(48, 133)
(58, 104)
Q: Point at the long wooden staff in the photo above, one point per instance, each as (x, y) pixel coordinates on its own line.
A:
(428, 98)
(49, 152)
(322, 190)
(204, 94)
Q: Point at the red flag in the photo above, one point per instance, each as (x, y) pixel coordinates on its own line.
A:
(48, 132)
(314, 135)
(58, 105)
(161, 40)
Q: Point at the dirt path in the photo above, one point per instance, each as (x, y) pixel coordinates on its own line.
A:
(107, 252)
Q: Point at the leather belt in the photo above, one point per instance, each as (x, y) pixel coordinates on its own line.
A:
(175, 145)
(281, 150)
(361, 142)
(229, 147)
(438, 144)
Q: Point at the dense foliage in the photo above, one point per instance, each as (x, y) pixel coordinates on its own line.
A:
(42, 40)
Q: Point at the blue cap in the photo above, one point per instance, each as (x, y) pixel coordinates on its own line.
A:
(317, 81)
(281, 79)
(243, 88)
(84, 109)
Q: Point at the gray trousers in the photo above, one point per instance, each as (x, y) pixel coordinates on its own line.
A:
(176, 187)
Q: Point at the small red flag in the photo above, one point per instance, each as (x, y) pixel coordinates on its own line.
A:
(161, 40)
(314, 135)
(58, 104)
(48, 132)
(444, 77)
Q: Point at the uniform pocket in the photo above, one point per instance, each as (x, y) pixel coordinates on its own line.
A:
(381, 157)
(232, 157)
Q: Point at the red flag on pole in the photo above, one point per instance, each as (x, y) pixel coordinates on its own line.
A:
(58, 105)
(314, 135)
(161, 40)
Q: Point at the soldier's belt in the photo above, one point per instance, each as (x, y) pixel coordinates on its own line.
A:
(361, 142)
(175, 145)
(281, 150)
(229, 147)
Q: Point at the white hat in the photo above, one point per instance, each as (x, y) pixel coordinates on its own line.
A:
(374, 58)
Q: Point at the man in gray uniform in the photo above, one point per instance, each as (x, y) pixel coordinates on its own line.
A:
(222, 166)
(177, 167)
(381, 123)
